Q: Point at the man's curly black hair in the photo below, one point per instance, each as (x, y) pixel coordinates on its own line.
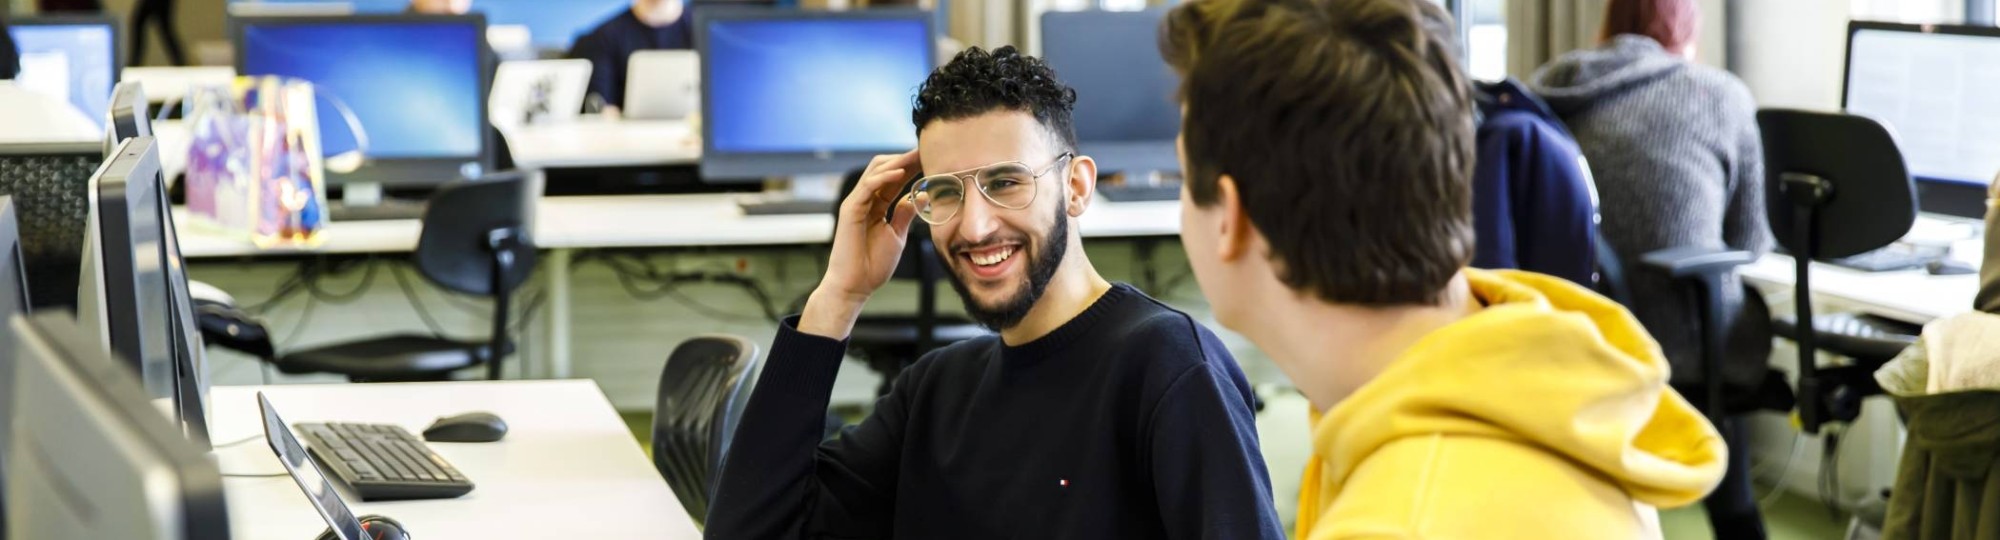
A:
(977, 82)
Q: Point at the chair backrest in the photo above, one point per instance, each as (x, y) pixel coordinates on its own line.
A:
(703, 390)
(1870, 201)
(50, 184)
(454, 251)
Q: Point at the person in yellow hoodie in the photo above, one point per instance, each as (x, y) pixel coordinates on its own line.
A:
(1327, 147)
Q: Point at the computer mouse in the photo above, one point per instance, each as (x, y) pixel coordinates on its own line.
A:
(1949, 267)
(468, 427)
(376, 528)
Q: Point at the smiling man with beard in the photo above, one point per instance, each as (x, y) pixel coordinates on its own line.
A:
(1095, 413)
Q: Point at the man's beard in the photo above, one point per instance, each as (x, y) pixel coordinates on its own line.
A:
(1041, 269)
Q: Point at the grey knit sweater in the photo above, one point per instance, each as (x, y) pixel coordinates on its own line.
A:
(1676, 155)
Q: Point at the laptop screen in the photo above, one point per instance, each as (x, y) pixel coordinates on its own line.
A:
(306, 473)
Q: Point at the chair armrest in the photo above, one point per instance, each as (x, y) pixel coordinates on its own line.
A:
(1696, 262)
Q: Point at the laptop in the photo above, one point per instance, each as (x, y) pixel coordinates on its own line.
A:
(318, 489)
(663, 85)
(538, 91)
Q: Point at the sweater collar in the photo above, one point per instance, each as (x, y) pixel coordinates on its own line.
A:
(1076, 329)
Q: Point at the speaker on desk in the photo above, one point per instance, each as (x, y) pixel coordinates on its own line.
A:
(475, 241)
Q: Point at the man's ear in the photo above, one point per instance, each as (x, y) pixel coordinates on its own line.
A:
(1233, 241)
(1082, 184)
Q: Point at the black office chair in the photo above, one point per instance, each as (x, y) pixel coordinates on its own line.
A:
(1838, 187)
(703, 390)
(474, 241)
(889, 343)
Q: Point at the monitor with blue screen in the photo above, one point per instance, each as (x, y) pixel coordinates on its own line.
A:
(1126, 115)
(75, 57)
(416, 83)
(554, 24)
(791, 92)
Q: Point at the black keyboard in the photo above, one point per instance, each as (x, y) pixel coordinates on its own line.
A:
(1885, 260)
(782, 207)
(387, 209)
(382, 462)
(1140, 193)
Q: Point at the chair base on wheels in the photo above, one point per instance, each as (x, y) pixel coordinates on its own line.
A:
(400, 358)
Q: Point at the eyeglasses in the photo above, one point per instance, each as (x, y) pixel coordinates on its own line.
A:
(1008, 184)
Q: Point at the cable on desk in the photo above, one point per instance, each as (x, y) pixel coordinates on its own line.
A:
(240, 442)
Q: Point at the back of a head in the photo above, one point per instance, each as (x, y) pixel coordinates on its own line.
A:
(1676, 24)
(1347, 128)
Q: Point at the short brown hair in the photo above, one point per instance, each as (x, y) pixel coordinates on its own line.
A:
(1347, 126)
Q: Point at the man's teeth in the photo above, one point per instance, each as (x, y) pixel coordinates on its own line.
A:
(993, 258)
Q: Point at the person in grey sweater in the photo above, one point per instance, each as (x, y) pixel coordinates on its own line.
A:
(1678, 161)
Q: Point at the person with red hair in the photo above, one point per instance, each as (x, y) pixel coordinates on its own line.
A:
(1674, 148)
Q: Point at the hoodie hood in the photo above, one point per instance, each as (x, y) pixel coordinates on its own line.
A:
(1580, 78)
(1546, 363)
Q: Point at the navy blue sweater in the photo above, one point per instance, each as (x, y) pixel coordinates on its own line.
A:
(1532, 205)
(1129, 421)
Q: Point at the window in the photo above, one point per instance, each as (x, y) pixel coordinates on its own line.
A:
(1486, 39)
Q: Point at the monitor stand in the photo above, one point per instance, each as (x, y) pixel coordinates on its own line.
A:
(803, 194)
(363, 201)
(1143, 186)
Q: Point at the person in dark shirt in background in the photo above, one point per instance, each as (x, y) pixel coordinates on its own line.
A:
(649, 25)
(1097, 412)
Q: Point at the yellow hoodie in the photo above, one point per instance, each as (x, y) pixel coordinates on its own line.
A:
(1544, 415)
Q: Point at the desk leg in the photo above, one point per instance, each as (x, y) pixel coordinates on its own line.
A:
(559, 304)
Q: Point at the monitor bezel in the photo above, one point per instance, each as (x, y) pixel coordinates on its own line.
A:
(725, 166)
(56, 341)
(1956, 197)
(399, 172)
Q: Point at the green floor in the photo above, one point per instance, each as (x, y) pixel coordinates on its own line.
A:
(1789, 517)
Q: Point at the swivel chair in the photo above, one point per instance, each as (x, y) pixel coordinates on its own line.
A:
(703, 390)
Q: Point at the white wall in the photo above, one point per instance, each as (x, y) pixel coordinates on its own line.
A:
(1790, 52)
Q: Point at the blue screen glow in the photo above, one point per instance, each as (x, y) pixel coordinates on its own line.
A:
(554, 24)
(414, 86)
(814, 85)
(86, 51)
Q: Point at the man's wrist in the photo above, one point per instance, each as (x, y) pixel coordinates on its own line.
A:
(830, 315)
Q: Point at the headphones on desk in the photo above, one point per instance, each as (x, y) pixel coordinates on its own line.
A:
(375, 527)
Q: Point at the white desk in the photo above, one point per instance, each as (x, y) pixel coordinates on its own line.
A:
(566, 224)
(630, 221)
(601, 143)
(567, 469)
(1912, 296)
(581, 144)
(30, 117)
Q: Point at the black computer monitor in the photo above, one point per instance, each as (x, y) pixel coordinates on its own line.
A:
(76, 56)
(122, 291)
(49, 184)
(90, 456)
(1937, 87)
(790, 92)
(416, 83)
(1126, 117)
